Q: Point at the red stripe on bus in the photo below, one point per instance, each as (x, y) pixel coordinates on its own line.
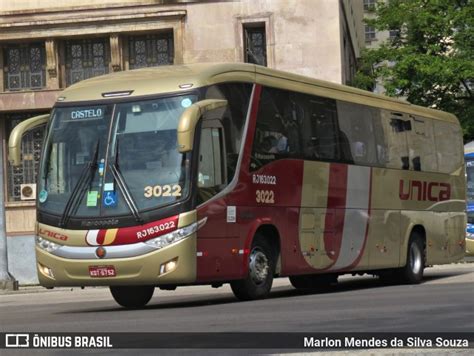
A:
(336, 204)
(140, 233)
(101, 237)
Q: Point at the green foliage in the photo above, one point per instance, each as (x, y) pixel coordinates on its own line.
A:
(430, 61)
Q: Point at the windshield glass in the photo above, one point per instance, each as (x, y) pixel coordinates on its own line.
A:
(140, 168)
(470, 190)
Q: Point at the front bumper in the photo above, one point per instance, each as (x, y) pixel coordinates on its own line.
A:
(469, 247)
(138, 270)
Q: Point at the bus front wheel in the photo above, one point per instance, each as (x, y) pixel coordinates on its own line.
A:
(132, 297)
(261, 267)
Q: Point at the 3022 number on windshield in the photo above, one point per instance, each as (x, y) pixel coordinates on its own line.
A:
(163, 191)
(265, 196)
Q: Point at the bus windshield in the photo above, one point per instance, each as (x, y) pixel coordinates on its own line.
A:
(112, 159)
(470, 189)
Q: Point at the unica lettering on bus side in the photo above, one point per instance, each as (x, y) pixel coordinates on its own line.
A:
(242, 175)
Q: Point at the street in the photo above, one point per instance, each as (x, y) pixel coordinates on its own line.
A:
(442, 303)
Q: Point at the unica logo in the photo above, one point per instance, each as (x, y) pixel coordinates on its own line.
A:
(52, 234)
(424, 191)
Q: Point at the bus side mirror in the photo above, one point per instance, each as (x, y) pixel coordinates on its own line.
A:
(189, 119)
(14, 141)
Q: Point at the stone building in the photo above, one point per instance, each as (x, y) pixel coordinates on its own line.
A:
(374, 38)
(47, 45)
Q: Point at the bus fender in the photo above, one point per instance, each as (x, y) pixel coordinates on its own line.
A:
(406, 239)
(249, 239)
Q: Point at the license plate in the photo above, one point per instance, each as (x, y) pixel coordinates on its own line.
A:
(102, 271)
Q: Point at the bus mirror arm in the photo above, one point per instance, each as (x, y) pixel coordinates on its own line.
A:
(14, 141)
(189, 119)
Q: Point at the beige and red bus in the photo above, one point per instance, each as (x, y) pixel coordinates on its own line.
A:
(235, 173)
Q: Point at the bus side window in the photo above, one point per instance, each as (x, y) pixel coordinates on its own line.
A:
(421, 145)
(277, 128)
(381, 142)
(232, 119)
(448, 138)
(211, 173)
(355, 121)
(392, 137)
(322, 143)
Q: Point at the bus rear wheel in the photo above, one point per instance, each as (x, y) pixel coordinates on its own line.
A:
(313, 281)
(261, 267)
(132, 297)
(412, 273)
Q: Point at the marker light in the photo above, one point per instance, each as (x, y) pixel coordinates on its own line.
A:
(114, 94)
(45, 270)
(46, 245)
(169, 266)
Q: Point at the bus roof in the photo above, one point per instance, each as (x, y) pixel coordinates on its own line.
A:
(178, 78)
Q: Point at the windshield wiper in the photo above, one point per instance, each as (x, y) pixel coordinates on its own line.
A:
(87, 175)
(114, 168)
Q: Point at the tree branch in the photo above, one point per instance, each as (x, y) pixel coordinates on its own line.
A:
(467, 88)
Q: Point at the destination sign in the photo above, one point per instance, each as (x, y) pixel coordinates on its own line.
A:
(88, 113)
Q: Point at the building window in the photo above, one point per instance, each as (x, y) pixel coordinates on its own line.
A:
(32, 142)
(255, 44)
(393, 34)
(369, 34)
(86, 59)
(25, 67)
(151, 50)
(369, 5)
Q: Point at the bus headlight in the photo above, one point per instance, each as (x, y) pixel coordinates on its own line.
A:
(46, 245)
(173, 237)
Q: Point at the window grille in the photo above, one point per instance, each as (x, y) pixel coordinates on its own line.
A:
(151, 50)
(369, 5)
(32, 143)
(369, 34)
(24, 67)
(393, 34)
(86, 59)
(255, 44)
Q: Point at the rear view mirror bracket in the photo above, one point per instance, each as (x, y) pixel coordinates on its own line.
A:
(189, 119)
(14, 141)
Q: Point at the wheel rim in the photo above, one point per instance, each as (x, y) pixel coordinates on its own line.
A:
(415, 259)
(258, 266)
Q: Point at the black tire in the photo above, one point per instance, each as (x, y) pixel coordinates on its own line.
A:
(259, 280)
(412, 273)
(132, 297)
(313, 281)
